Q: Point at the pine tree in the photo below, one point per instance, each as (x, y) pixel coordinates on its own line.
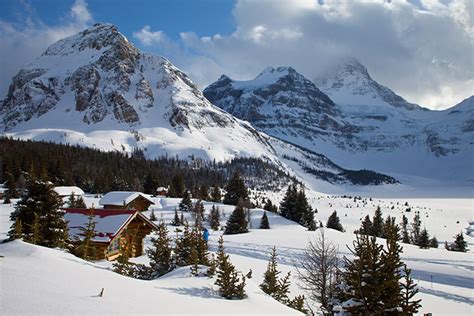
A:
(185, 205)
(176, 188)
(86, 248)
(230, 285)
(198, 211)
(183, 248)
(176, 220)
(216, 194)
(17, 232)
(366, 226)
(416, 229)
(153, 216)
(80, 203)
(7, 199)
(459, 244)
(306, 215)
(203, 194)
(122, 265)
(10, 184)
(377, 223)
(434, 242)
(405, 235)
(194, 262)
(42, 200)
(334, 222)
(408, 291)
(424, 239)
(288, 204)
(160, 252)
(214, 218)
(270, 277)
(237, 222)
(151, 184)
(235, 190)
(264, 224)
(269, 207)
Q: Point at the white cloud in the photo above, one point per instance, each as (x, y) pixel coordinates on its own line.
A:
(21, 42)
(422, 51)
(148, 37)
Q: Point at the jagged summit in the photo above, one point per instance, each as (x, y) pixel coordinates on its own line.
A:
(349, 83)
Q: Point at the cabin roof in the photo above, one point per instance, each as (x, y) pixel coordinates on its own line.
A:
(109, 223)
(120, 198)
(68, 190)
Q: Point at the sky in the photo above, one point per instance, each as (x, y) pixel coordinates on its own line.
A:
(421, 49)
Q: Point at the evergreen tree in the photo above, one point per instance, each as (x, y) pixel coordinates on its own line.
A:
(194, 262)
(151, 184)
(408, 291)
(237, 222)
(264, 224)
(288, 204)
(42, 200)
(7, 199)
(177, 188)
(366, 226)
(405, 235)
(176, 220)
(74, 202)
(377, 223)
(10, 184)
(216, 194)
(153, 216)
(160, 252)
(306, 215)
(235, 190)
(198, 211)
(334, 222)
(434, 242)
(122, 265)
(185, 205)
(86, 248)
(230, 285)
(270, 277)
(416, 229)
(269, 207)
(214, 218)
(183, 248)
(17, 232)
(459, 244)
(424, 239)
(203, 193)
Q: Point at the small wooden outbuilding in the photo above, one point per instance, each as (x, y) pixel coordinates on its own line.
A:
(115, 229)
(66, 191)
(126, 200)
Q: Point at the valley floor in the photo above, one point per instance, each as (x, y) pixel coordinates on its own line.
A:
(37, 280)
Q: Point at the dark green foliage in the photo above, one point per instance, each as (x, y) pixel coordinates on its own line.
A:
(377, 223)
(10, 184)
(434, 242)
(306, 213)
(288, 204)
(191, 240)
(17, 232)
(416, 229)
(230, 285)
(185, 205)
(160, 252)
(153, 216)
(264, 224)
(366, 226)
(214, 218)
(122, 265)
(85, 248)
(7, 199)
(177, 188)
(151, 184)
(237, 222)
(203, 193)
(270, 207)
(459, 244)
(39, 212)
(176, 220)
(216, 194)
(278, 288)
(408, 291)
(74, 202)
(424, 239)
(295, 207)
(198, 213)
(405, 235)
(334, 222)
(235, 190)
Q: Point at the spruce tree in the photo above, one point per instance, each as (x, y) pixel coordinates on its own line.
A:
(153, 216)
(86, 249)
(270, 277)
(366, 226)
(183, 247)
(214, 218)
(122, 265)
(270, 207)
(230, 285)
(176, 188)
(459, 244)
(185, 205)
(17, 232)
(416, 229)
(7, 199)
(160, 252)
(424, 239)
(237, 222)
(203, 193)
(288, 204)
(216, 194)
(235, 190)
(264, 224)
(405, 235)
(304, 211)
(334, 222)
(434, 242)
(198, 212)
(408, 291)
(176, 220)
(10, 184)
(377, 223)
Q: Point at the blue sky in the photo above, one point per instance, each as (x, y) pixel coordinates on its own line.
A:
(422, 49)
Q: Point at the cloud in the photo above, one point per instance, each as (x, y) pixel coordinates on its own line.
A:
(21, 42)
(148, 37)
(421, 50)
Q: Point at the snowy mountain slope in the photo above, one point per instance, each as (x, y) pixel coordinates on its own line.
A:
(73, 284)
(378, 130)
(349, 83)
(96, 89)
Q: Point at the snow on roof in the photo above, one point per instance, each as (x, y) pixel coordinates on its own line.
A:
(109, 222)
(65, 191)
(121, 198)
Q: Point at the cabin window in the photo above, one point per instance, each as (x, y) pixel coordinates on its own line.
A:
(114, 245)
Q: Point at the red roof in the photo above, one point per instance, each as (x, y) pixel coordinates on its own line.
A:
(98, 212)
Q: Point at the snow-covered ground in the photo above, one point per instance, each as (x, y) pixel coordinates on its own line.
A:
(39, 280)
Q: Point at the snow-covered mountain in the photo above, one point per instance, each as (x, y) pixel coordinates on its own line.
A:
(367, 125)
(96, 89)
(349, 83)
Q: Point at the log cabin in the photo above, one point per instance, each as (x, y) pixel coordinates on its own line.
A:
(126, 200)
(115, 228)
(66, 191)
